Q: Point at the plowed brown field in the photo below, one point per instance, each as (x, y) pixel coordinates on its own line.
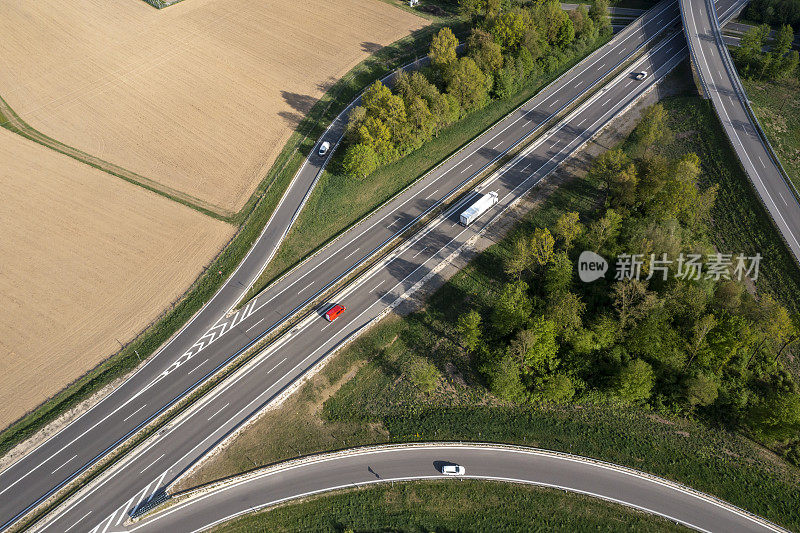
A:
(199, 97)
(85, 260)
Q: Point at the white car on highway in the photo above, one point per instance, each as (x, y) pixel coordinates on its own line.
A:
(323, 148)
(453, 470)
(641, 75)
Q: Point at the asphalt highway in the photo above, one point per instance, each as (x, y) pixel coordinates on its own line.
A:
(146, 472)
(388, 464)
(198, 351)
(720, 81)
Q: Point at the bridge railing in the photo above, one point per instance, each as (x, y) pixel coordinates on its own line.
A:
(741, 94)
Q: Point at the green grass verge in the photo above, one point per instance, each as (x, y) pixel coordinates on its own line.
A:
(339, 201)
(467, 505)
(365, 394)
(740, 222)
(777, 106)
(252, 219)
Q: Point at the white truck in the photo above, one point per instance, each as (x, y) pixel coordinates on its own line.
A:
(478, 208)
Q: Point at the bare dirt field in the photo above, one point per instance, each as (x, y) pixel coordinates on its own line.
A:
(86, 260)
(199, 97)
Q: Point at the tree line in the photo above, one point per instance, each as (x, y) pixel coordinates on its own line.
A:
(707, 347)
(775, 12)
(755, 60)
(508, 46)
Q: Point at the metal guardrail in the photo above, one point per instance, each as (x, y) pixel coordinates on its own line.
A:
(256, 345)
(515, 145)
(741, 94)
(184, 496)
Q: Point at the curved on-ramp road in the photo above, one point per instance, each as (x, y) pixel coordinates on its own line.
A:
(358, 467)
(209, 342)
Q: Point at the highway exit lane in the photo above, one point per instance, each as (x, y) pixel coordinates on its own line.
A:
(388, 464)
(108, 503)
(158, 383)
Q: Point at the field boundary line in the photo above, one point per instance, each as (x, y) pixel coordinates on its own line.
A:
(53, 410)
(183, 406)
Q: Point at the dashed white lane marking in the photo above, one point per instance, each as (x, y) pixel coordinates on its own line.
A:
(307, 286)
(65, 464)
(276, 366)
(133, 413)
(198, 366)
(148, 466)
(351, 253)
(605, 104)
(255, 325)
(218, 411)
(416, 254)
(582, 121)
(782, 198)
(378, 285)
(76, 523)
(498, 144)
(431, 194)
(762, 162)
(470, 165)
(526, 167)
(578, 84)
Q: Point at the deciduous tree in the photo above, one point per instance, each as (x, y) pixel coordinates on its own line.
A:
(508, 29)
(652, 128)
(512, 307)
(632, 300)
(776, 417)
(565, 309)
(536, 348)
(701, 389)
(468, 84)
(360, 161)
(542, 244)
(567, 228)
(469, 329)
(558, 276)
(486, 53)
(443, 49)
(505, 381)
(635, 381)
(557, 388)
(519, 258)
(604, 231)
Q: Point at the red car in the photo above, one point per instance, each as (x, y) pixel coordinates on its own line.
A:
(334, 312)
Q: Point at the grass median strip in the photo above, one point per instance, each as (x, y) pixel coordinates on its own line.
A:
(232, 367)
(777, 106)
(338, 201)
(468, 505)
